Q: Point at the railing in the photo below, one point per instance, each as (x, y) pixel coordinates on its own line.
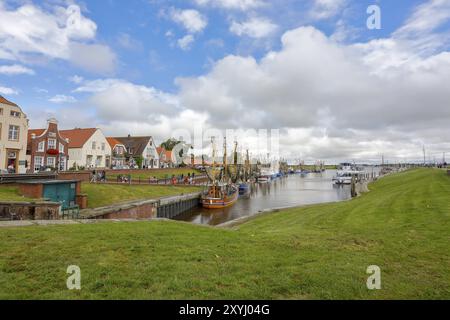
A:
(72, 212)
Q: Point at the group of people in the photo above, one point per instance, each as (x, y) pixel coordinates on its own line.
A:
(98, 176)
(189, 179)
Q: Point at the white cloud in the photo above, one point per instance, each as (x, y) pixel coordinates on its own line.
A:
(15, 69)
(192, 20)
(76, 79)
(60, 98)
(186, 42)
(62, 33)
(243, 5)
(254, 27)
(8, 91)
(323, 9)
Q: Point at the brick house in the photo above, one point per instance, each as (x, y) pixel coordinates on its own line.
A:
(47, 148)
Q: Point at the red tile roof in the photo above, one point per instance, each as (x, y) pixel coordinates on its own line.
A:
(37, 132)
(113, 142)
(3, 100)
(78, 137)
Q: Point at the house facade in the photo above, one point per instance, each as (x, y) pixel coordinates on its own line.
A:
(47, 149)
(118, 153)
(165, 158)
(140, 147)
(13, 137)
(88, 148)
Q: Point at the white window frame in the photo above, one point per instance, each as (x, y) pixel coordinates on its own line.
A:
(94, 145)
(51, 144)
(61, 148)
(38, 163)
(54, 162)
(12, 132)
(41, 146)
(103, 146)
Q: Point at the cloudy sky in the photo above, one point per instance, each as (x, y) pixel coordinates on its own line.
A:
(335, 89)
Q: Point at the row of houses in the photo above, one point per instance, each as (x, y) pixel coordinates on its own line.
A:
(24, 150)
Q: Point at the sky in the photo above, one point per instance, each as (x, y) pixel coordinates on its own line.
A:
(335, 89)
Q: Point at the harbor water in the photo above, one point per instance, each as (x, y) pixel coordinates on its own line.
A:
(289, 191)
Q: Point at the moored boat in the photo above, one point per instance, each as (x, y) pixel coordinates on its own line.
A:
(220, 196)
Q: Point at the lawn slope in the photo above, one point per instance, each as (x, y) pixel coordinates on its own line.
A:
(322, 251)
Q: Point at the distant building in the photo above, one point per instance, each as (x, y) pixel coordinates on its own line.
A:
(118, 153)
(88, 148)
(47, 148)
(138, 147)
(13, 137)
(165, 158)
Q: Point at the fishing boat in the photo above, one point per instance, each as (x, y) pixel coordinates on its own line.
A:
(347, 174)
(220, 193)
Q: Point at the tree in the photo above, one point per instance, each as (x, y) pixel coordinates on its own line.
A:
(170, 144)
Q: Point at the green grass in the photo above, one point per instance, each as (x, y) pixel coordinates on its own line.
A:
(159, 173)
(101, 195)
(315, 252)
(8, 193)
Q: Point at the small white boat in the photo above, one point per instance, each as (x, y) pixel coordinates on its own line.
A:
(347, 173)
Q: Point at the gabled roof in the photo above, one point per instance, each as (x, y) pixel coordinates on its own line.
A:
(37, 132)
(5, 101)
(78, 137)
(113, 142)
(138, 144)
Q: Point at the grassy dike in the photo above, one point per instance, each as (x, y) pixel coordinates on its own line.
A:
(320, 251)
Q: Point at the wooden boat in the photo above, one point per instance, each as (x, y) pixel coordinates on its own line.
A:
(220, 196)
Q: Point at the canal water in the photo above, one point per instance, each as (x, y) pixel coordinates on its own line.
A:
(290, 191)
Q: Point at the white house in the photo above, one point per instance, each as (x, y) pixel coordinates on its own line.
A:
(141, 147)
(88, 148)
(13, 137)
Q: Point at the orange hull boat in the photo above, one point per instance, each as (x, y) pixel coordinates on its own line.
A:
(219, 197)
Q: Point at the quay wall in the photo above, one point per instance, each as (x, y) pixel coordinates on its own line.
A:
(29, 211)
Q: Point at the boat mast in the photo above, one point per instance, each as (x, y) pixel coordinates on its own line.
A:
(225, 155)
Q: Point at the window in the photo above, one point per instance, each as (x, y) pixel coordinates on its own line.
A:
(103, 146)
(13, 133)
(51, 143)
(1, 111)
(41, 146)
(51, 162)
(15, 114)
(38, 163)
(88, 161)
(94, 145)
(98, 161)
(0, 129)
(61, 148)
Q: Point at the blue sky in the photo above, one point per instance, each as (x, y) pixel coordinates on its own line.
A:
(144, 47)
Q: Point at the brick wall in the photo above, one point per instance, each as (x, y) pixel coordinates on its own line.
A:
(144, 211)
(34, 191)
(84, 176)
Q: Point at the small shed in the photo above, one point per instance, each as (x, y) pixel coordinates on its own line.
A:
(60, 191)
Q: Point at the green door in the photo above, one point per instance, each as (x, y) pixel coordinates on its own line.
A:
(63, 193)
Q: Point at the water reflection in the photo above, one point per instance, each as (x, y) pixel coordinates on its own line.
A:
(290, 191)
